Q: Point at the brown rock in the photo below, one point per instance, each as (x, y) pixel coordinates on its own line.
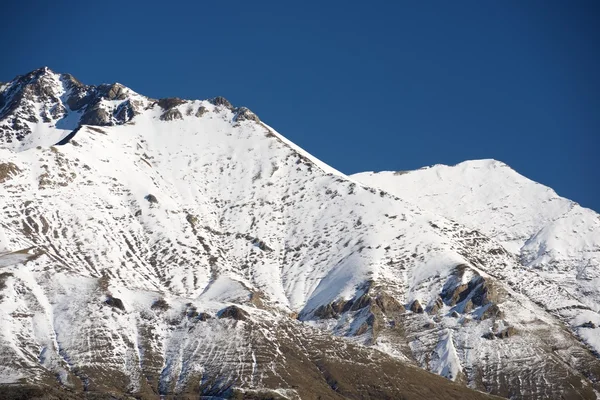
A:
(491, 311)
(388, 304)
(416, 307)
(8, 170)
(201, 111)
(221, 101)
(170, 102)
(233, 312)
(435, 306)
(171, 115)
(244, 114)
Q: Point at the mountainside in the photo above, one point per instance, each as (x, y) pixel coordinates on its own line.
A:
(173, 247)
(557, 240)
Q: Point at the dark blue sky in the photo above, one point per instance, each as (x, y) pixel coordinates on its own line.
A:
(362, 85)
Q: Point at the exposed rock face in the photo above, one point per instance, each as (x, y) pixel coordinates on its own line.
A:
(171, 114)
(7, 170)
(96, 115)
(244, 114)
(416, 307)
(170, 103)
(233, 312)
(113, 91)
(201, 111)
(221, 101)
(60, 101)
(436, 306)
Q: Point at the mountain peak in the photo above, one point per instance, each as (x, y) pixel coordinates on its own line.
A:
(42, 107)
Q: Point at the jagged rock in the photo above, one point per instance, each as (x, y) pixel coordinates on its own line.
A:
(491, 311)
(96, 116)
(416, 307)
(435, 306)
(389, 305)
(78, 100)
(325, 312)
(115, 303)
(221, 101)
(125, 112)
(362, 329)
(191, 219)
(151, 199)
(169, 103)
(114, 91)
(244, 114)
(201, 111)
(171, 115)
(363, 301)
(233, 312)
(467, 306)
(481, 291)
(8, 170)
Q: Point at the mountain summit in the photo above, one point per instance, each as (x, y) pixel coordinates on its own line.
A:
(185, 248)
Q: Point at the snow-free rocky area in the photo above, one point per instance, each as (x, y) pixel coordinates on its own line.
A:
(164, 247)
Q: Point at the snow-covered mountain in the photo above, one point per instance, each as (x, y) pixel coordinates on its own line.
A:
(555, 239)
(175, 247)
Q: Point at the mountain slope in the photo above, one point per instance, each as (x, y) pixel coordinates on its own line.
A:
(557, 240)
(186, 247)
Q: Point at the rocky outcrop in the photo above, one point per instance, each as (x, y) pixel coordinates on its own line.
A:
(221, 101)
(370, 310)
(478, 293)
(435, 306)
(114, 91)
(502, 334)
(169, 103)
(171, 114)
(233, 312)
(96, 115)
(7, 170)
(201, 111)
(115, 302)
(416, 307)
(244, 114)
(151, 199)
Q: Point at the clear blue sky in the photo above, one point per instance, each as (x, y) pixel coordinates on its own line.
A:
(362, 85)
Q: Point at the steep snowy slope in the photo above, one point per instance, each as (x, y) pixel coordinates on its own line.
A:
(556, 239)
(186, 247)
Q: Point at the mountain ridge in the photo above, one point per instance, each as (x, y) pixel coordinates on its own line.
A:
(194, 220)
